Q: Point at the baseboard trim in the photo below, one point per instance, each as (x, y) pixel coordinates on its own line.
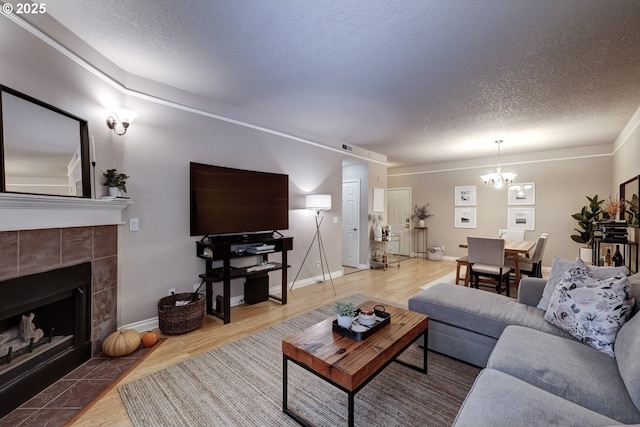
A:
(153, 323)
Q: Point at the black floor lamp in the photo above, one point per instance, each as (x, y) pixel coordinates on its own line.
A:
(318, 203)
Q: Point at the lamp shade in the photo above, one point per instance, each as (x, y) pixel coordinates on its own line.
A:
(318, 202)
(126, 116)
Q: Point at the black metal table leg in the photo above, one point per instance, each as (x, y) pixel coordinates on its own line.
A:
(422, 369)
(284, 384)
(351, 416)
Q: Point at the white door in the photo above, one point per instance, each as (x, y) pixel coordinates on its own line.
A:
(350, 223)
(399, 213)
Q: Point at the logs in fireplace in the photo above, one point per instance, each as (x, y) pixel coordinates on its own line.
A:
(44, 331)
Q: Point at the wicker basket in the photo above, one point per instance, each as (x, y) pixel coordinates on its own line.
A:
(177, 319)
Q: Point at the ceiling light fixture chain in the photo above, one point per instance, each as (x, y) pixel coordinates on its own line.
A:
(498, 179)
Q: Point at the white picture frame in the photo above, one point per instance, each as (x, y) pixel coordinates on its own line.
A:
(521, 218)
(378, 199)
(465, 218)
(465, 195)
(522, 194)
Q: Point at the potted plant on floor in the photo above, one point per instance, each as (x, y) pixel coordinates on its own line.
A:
(117, 182)
(422, 213)
(345, 311)
(587, 218)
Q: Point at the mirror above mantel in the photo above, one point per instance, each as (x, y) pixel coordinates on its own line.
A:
(44, 150)
(629, 192)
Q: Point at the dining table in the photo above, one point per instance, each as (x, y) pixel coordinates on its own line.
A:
(512, 248)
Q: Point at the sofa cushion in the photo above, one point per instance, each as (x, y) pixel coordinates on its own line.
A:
(591, 310)
(571, 373)
(560, 266)
(499, 399)
(478, 311)
(627, 349)
(634, 281)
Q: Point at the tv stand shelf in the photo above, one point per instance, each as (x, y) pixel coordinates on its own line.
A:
(217, 274)
(219, 249)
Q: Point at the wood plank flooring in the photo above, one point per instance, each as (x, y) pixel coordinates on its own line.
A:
(396, 284)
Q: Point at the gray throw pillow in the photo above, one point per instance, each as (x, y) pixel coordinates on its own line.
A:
(560, 266)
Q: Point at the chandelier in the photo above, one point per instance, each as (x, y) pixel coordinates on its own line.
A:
(498, 179)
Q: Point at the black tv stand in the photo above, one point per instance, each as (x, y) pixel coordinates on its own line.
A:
(240, 238)
(225, 248)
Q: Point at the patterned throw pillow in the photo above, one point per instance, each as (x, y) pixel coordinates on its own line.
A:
(560, 266)
(589, 309)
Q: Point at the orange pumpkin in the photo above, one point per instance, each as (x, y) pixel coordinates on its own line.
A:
(121, 343)
(149, 338)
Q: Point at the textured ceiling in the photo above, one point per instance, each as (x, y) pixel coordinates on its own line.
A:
(420, 81)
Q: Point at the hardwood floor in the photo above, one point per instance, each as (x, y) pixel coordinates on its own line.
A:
(396, 284)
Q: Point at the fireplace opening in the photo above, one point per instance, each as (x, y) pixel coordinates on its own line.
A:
(44, 331)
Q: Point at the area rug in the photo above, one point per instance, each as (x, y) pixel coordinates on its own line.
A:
(240, 384)
(447, 278)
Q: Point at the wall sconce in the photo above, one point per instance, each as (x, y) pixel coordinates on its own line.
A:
(124, 116)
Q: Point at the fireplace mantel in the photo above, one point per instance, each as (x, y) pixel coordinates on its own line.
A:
(32, 211)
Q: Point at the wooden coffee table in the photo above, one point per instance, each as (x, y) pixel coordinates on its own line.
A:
(349, 364)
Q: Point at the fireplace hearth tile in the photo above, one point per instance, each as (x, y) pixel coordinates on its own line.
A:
(49, 417)
(70, 400)
(39, 250)
(105, 240)
(111, 369)
(76, 245)
(105, 273)
(84, 370)
(8, 254)
(16, 417)
(79, 395)
(101, 332)
(104, 305)
(48, 394)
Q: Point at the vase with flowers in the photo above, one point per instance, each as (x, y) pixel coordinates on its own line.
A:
(422, 213)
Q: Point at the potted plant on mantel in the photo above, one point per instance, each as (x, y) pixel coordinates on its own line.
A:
(587, 218)
(421, 213)
(117, 182)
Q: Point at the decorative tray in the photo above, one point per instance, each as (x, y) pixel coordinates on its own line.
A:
(362, 332)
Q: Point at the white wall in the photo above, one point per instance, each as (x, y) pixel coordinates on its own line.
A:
(161, 142)
(626, 161)
(561, 187)
(156, 152)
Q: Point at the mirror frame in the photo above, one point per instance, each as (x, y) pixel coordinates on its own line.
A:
(622, 194)
(84, 144)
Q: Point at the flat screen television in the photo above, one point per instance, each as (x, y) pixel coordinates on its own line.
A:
(235, 201)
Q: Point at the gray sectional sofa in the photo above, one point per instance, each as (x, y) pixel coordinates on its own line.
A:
(535, 374)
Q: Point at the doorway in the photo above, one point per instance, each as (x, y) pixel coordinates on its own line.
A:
(350, 223)
(399, 213)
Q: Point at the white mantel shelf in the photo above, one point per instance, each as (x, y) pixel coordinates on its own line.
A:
(32, 212)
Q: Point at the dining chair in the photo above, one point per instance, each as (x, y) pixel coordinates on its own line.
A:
(531, 267)
(486, 259)
(463, 261)
(511, 234)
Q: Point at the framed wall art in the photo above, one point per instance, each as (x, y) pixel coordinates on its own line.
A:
(522, 194)
(465, 218)
(465, 195)
(521, 218)
(378, 199)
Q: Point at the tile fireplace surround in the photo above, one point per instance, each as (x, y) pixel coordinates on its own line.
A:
(33, 251)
